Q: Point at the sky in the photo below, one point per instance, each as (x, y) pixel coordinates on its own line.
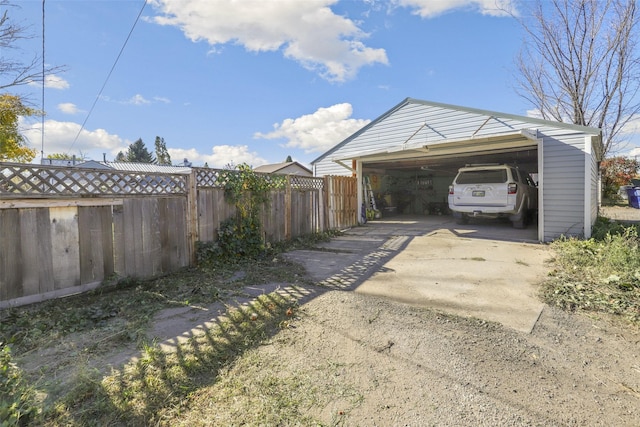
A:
(255, 81)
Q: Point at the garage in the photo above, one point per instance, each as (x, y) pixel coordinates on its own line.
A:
(406, 159)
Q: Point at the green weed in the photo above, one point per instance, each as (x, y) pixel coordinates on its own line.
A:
(601, 274)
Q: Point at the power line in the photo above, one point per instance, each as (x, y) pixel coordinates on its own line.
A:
(43, 85)
(108, 76)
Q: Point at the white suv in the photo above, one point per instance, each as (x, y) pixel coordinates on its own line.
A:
(492, 191)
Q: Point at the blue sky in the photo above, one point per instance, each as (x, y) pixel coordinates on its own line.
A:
(255, 81)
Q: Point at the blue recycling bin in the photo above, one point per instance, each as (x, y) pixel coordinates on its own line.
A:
(634, 197)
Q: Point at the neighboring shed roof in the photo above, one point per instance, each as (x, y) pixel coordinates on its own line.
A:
(284, 167)
(136, 167)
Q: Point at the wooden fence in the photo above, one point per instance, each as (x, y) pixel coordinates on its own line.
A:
(65, 230)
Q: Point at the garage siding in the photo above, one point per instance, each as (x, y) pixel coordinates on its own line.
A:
(564, 180)
(595, 196)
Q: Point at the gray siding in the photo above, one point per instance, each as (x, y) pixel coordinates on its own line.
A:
(564, 184)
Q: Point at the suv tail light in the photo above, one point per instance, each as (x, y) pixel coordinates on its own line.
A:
(512, 188)
(451, 189)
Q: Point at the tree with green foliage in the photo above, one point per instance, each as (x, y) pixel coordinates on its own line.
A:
(617, 171)
(138, 153)
(13, 145)
(289, 160)
(161, 152)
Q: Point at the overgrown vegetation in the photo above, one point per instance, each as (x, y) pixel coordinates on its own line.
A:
(599, 275)
(17, 400)
(118, 316)
(241, 235)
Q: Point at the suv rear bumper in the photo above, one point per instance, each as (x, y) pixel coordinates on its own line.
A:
(485, 210)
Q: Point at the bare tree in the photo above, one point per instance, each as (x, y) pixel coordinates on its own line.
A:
(17, 72)
(580, 64)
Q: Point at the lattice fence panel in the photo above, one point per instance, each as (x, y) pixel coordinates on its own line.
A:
(217, 178)
(19, 180)
(206, 177)
(306, 182)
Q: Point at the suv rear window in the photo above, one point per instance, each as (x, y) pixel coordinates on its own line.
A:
(488, 176)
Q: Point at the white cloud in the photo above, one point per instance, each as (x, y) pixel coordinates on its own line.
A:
(433, 8)
(306, 31)
(319, 131)
(535, 114)
(137, 99)
(69, 108)
(52, 81)
(55, 82)
(60, 135)
(221, 156)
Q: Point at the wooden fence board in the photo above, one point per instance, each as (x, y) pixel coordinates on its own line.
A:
(106, 231)
(90, 257)
(164, 226)
(182, 257)
(206, 224)
(174, 245)
(96, 243)
(45, 261)
(151, 237)
(30, 255)
(119, 244)
(10, 268)
(132, 219)
(65, 247)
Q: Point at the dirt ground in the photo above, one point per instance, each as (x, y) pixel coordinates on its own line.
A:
(409, 366)
(416, 367)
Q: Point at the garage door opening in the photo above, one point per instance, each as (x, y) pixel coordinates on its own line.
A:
(419, 185)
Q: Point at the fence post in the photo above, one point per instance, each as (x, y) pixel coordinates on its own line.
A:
(326, 188)
(287, 209)
(192, 215)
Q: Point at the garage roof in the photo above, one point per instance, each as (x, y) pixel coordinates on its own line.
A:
(442, 126)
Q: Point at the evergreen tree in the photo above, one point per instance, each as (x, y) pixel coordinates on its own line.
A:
(120, 157)
(137, 152)
(289, 160)
(161, 152)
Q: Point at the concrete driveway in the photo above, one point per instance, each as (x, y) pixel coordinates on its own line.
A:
(486, 270)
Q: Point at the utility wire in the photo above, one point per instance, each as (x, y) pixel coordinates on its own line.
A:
(108, 76)
(43, 85)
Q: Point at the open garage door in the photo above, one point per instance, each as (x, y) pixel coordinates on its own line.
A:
(415, 180)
